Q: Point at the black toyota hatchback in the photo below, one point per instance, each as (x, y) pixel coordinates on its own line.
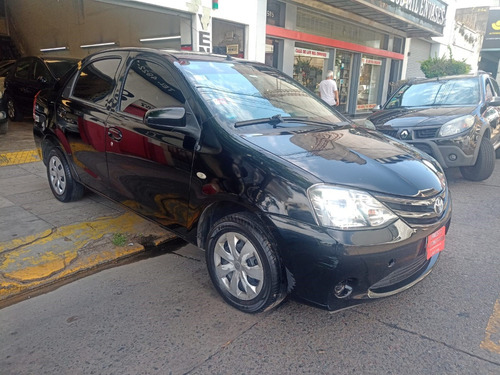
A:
(454, 119)
(284, 194)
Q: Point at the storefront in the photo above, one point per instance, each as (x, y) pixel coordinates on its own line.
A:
(356, 42)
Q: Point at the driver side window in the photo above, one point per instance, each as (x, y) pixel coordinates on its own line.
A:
(149, 85)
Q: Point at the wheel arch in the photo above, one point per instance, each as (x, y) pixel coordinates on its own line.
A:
(216, 211)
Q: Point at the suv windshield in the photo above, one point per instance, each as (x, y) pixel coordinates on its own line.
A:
(237, 92)
(463, 91)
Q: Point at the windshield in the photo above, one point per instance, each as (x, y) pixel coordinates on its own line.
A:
(437, 93)
(236, 92)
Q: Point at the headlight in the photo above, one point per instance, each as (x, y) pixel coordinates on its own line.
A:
(344, 208)
(456, 126)
(368, 124)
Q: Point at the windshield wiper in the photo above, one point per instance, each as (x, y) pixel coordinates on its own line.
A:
(274, 121)
(277, 119)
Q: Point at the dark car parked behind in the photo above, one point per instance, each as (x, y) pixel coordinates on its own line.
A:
(282, 193)
(454, 119)
(30, 75)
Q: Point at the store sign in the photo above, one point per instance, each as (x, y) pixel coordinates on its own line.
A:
(371, 61)
(365, 106)
(492, 36)
(311, 53)
(430, 10)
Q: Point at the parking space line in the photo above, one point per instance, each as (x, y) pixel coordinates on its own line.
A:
(491, 341)
(19, 157)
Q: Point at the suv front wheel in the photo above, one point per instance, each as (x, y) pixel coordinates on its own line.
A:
(485, 163)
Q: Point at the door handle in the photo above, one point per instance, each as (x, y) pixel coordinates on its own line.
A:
(115, 134)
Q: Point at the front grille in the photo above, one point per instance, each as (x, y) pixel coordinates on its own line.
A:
(401, 274)
(424, 147)
(426, 133)
(416, 211)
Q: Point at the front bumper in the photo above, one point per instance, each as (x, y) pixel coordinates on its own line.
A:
(370, 263)
(457, 152)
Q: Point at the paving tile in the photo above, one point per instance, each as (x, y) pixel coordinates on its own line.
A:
(17, 222)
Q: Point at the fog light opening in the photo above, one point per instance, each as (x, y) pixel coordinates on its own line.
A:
(452, 157)
(342, 289)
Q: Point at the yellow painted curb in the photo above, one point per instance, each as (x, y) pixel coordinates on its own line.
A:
(32, 261)
(492, 340)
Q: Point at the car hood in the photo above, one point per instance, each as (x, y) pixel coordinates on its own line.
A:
(357, 158)
(418, 116)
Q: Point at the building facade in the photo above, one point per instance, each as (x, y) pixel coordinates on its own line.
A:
(365, 42)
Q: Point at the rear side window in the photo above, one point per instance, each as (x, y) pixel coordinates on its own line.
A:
(23, 69)
(149, 85)
(96, 81)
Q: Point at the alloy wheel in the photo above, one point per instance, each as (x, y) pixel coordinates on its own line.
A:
(57, 175)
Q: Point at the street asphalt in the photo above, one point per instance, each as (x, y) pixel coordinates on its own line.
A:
(44, 241)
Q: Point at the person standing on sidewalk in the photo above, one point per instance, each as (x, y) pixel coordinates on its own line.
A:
(328, 90)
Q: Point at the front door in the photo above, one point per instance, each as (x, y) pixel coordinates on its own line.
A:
(150, 169)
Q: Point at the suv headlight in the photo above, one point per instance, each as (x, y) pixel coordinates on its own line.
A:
(343, 208)
(456, 126)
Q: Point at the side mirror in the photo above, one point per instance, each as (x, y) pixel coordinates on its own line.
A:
(164, 118)
(494, 102)
(376, 108)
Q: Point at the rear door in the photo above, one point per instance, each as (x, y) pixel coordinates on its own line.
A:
(150, 169)
(81, 114)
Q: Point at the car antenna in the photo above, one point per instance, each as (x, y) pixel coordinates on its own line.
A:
(229, 57)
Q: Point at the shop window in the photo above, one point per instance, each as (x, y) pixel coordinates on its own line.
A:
(272, 52)
(343, 63)
(317, 24)
(369, 82)
(308, 66)
(228, 38)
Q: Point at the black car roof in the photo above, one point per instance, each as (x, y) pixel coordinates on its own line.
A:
(447, 78)
(173, 54)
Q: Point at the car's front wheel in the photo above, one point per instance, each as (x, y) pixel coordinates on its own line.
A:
(485, 163)
(243, 264)
(13, 111)
(61, 182)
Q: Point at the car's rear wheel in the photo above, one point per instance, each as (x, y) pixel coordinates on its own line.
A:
(243, 264)
(13, 111)
(485, 163)
(61, 182)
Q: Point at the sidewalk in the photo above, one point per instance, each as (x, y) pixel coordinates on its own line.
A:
(44, 241)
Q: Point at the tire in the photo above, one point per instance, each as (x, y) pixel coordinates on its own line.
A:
(61, 182)
(485, 163)
(13, 111)
(243, 264)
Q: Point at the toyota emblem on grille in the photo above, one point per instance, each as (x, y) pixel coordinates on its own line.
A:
(405, 134)
(439, 206)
